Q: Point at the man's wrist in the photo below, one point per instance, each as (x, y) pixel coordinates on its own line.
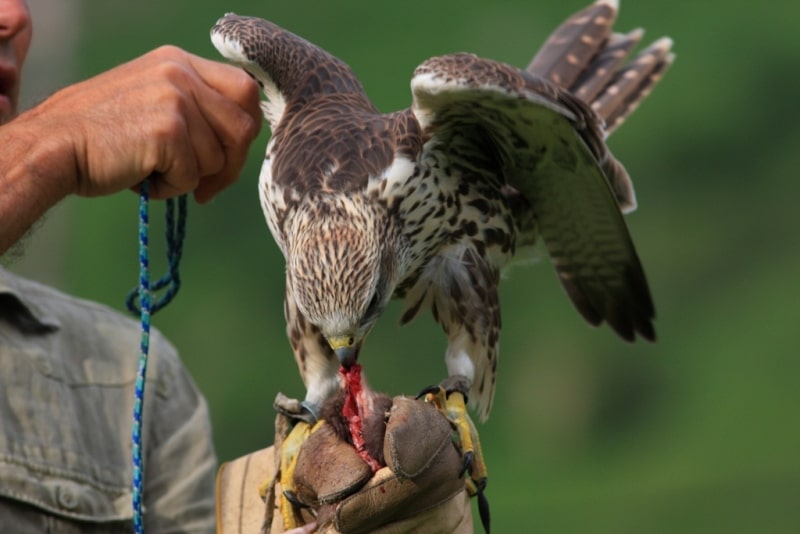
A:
(37, 170)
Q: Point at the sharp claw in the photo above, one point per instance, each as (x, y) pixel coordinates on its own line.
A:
(430, 390)
(291, 496)
(483, 508)
(466, 464)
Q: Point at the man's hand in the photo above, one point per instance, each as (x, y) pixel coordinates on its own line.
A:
(185, 121)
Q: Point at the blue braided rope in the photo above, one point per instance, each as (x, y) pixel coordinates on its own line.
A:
(144, 311)
(176, 231)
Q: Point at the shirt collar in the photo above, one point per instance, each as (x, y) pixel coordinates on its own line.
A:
(19, 308)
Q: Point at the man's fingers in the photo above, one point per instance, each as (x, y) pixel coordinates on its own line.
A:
(219, 126)
(234, 129)
(305, 529)
(230, 81)
(182, 173)
(229, 101)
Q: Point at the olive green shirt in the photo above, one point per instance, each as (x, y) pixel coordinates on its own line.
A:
(67, 373)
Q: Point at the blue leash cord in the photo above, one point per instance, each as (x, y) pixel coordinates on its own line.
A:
(176, 231)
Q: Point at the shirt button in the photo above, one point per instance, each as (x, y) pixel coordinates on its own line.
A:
(164, 384)
(67, 497)
(44, 365)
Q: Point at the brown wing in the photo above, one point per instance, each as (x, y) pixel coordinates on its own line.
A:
(290, 70)
(549, 147)
(586, 57)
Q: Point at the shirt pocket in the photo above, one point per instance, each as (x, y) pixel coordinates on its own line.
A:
(65, 419)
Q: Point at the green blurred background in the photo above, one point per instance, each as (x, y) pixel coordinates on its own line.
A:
(698, 432)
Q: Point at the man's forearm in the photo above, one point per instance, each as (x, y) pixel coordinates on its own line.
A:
(36, 172)
(179, 119)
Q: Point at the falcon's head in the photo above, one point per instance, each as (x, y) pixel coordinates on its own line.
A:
(341, 269)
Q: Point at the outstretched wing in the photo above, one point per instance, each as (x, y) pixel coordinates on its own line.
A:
(586, 57)
(549, 148)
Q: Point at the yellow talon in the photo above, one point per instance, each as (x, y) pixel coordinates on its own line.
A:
(453, 407)
(288, 462)
(478, 471)
(263, 488)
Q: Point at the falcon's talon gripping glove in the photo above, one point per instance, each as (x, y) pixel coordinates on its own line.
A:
(421, 486)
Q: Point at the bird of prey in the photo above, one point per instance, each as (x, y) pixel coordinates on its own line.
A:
(429, 203)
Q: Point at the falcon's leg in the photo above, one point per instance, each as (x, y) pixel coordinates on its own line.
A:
(319, 371)
(290, 448)
(451, 400)
(467, 306)
(318, 365)
(461, 286)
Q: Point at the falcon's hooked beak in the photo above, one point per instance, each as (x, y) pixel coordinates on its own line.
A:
(346, 349)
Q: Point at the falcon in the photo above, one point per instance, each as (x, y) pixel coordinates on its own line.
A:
(430, 203)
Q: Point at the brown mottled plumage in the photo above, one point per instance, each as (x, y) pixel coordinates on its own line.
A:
(430, 203)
